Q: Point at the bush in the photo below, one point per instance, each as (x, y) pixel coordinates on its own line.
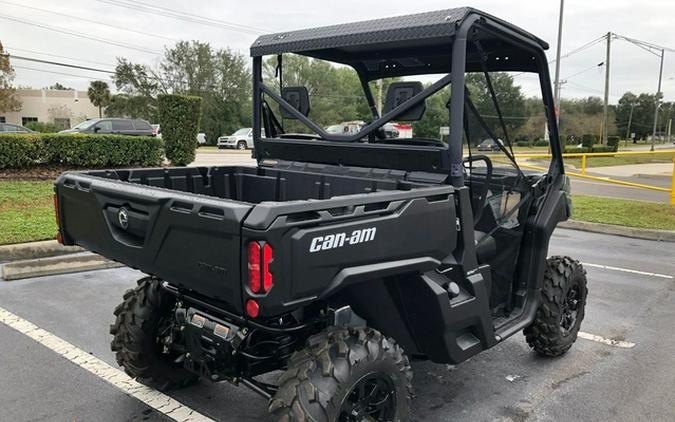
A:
(603, 148)
(588, 139)
(179, 116)
(613, 141)
(78, 150)
(43, 127)
(522, 143)
(541, 143)
(576, 150)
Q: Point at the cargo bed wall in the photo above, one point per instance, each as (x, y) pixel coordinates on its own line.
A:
(255, 185)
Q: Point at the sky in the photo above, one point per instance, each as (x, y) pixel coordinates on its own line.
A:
(632, 68)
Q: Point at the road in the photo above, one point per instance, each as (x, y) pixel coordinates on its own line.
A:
(593, 382)
(213, 157)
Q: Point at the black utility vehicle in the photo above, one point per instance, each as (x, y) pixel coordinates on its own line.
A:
(340, 257)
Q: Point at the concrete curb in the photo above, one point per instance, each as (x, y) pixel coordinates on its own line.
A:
(41, 267)
(34, 250)
(648, 234)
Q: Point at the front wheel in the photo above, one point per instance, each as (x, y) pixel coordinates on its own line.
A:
(561, 309)
(345, 375)
(140, 332)
(241, 145)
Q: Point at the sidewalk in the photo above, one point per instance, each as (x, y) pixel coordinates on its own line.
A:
(632, 170)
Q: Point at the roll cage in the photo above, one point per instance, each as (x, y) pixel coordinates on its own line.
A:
(450, 42)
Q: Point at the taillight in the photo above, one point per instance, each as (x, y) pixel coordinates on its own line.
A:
(252, 308)
(267, 276)
(254, 267)
(259, 276)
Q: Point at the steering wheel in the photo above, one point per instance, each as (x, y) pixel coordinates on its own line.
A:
(478, 198)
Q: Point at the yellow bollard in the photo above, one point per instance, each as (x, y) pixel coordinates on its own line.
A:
(672, 185)
(583, 164)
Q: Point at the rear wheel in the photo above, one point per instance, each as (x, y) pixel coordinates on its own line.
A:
(141, 337)
(345, 375)
(241, 145)
(563, 301)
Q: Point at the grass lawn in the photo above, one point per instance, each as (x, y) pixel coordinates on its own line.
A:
(620, 160)
(26, 211)
(623, 212)
(27, 214)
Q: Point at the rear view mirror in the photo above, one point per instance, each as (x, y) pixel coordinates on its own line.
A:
(400, 92)
(298, 97)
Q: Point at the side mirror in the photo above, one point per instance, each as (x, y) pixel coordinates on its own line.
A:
(298, 97)
(96, 129)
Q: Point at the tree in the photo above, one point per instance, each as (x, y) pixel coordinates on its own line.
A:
(8, 100)
(59, 86)
(99, 95)
(219, 76)
(509, 97)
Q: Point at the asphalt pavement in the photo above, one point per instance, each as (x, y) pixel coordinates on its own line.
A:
(632, 299)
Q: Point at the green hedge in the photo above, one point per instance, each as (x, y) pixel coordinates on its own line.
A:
(78, 150)
(179, 116)
(576, 150)
(603, 148)
(613, 141)
(588, 139)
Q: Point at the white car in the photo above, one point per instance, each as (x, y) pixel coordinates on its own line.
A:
(201, 139)
(241, 139)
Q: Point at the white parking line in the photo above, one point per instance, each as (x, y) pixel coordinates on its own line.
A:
(607, 341)
(156, 400)
(626, 270)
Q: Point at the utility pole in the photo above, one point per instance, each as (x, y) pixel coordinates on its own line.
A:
(379, 96)
(557, 66)
(630, 121)
(606, 105)
(658, 100)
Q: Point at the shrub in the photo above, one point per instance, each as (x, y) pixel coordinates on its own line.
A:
(613, 141)
(576, 150)
(603, 148)
(522, 143)
(78, 150)
(179, 116)
(541, 143)
(43, 127)
(588, 139)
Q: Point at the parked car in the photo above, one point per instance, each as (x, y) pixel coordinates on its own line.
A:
(117, 126)
(156, 131)
(241, 139)
(201, 139)
(10, 128)
(346, 128)
(491, 145)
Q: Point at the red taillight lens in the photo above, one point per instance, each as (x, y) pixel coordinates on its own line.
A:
(252, 308)
(254, 267)
(259, 276)
(267, 276)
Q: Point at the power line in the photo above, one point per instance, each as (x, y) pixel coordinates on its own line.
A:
(56, 73)
(73, 66)
(79, 34)
(55, 55)
(89, 20)
(184, 16)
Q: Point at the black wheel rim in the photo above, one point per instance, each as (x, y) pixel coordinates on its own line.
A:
(372, 398)
(570, 310)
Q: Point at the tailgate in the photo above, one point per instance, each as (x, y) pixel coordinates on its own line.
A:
(190, 240)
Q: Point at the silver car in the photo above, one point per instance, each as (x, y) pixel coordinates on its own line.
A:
(241, 139)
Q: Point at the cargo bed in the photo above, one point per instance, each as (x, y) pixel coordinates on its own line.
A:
(187, 225)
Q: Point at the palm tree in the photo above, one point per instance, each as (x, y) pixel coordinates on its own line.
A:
(99, 94)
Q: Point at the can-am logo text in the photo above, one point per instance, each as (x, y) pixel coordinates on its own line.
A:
(338, 240)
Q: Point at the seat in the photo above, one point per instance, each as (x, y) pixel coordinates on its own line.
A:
(486, 246)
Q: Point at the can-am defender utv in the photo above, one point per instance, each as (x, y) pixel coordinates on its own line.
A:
(340, 256)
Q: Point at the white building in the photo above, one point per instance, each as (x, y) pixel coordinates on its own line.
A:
(65, 108)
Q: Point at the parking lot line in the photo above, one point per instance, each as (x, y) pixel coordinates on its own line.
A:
(156, 400)
(627, 270)
(608, 341)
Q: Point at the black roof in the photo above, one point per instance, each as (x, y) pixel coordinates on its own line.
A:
(428, 27)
